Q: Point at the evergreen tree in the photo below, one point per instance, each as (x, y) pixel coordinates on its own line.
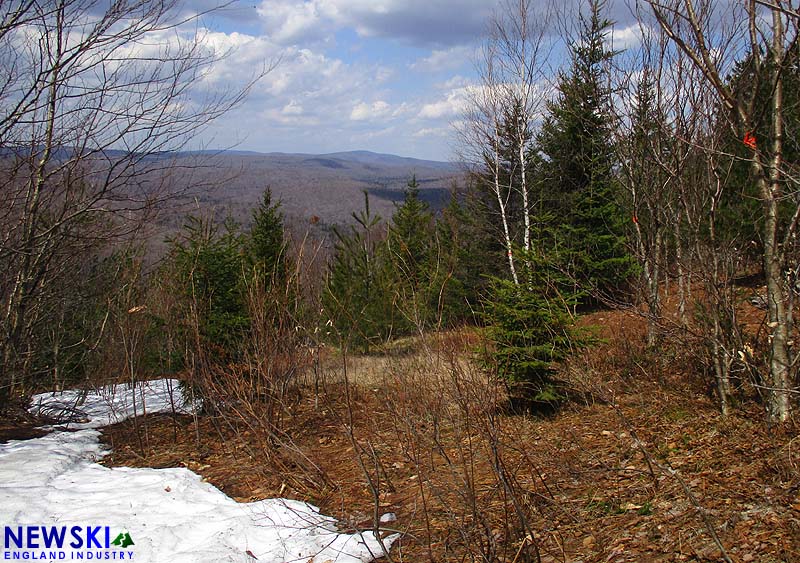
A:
(410, 233)
(358, 296)
(576, 166)
(412, 254)
(466, 257)
(210, 263)
(266, 242)
(740, 217)
(529, 329)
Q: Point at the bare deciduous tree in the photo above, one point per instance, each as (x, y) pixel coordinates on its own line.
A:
(511, 70)
(642, 140)
(714, 36)
(93, 98)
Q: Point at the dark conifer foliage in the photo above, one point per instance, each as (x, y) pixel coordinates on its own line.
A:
(266, 242)
(410, 236)
(358, 297)
(210, 262)
(576, 170)
(741, 214)
(529, 330)
(215, 265)
(469, 256)
(413, 252)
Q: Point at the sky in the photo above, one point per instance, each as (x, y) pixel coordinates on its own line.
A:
(381, 75)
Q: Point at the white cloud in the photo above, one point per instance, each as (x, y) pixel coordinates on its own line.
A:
(432, 132)
(318, 98)
(453, 104)
(292, 108)
(403, 110)
(382, 74)
(444, 59)
(363, 111)
(306, 100)
(291, 21)
(445, 22)
(453, 83)
(246, 56)
(626, 37)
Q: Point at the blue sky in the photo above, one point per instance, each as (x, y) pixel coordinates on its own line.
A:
(381, 75)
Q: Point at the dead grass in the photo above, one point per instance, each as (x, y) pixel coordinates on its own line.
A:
(600, 481)
(430, 355)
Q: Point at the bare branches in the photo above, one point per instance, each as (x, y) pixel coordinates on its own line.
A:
(94, 99)
(711, 41)
(508, 101)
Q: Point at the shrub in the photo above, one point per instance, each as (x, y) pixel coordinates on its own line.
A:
(529, 329)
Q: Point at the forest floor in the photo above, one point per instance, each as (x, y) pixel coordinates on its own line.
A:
(637, 466)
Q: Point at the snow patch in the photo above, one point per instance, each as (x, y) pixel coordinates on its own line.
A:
(171, 514)
(113, 403)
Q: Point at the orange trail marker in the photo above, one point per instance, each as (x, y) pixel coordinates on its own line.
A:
(749, 140)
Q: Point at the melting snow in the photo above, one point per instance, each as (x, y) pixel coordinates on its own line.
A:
(171, 514)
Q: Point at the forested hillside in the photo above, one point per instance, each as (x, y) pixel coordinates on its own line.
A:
(327, 186)
(576, 344)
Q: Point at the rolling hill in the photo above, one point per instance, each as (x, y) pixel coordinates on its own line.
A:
(325, 189)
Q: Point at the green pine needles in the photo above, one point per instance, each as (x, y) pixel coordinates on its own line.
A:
(213, 266)
(266, 241)
(529, 329)
(358, 296)
(400, 278)
(577, 157)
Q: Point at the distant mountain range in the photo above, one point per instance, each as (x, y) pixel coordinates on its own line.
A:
(378, 160)
(318, 188)
(316, 191)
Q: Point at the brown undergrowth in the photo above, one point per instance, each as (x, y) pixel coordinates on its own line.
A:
(17, 423)
(640, 468)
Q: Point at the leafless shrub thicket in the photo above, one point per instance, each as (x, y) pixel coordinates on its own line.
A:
(703, 115)
(445, 420)
(94, 97)
(255, 395)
